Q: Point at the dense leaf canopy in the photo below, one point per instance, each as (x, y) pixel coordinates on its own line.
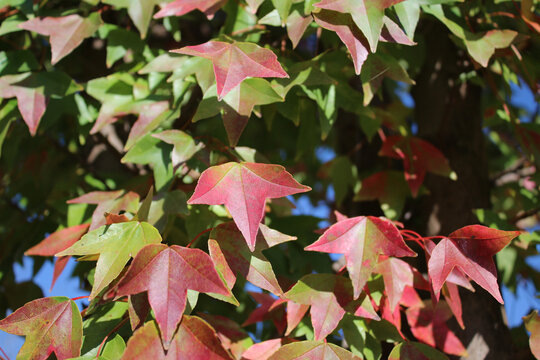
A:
(166, 144)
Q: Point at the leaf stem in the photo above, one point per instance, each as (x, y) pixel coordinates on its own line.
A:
(118, 326)
(5, 355)
(80, 297)
(198, 236)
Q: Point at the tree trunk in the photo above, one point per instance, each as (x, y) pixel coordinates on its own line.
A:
(448, 113)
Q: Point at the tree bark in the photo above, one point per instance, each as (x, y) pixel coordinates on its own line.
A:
(448, 113)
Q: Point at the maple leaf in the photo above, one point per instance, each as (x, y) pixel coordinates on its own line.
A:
(107, 202)
(264, 349)
(297, 24)
(410, 350)
(362, 239)
(397, 274)
(418, 156)
(243, 188)
(471, 249)
(150, 115)
(231, 335)
(237, 105)
(49, 324)
(115, 244)
(330, 297)
(181, 7)
(167, 273)
(532, 324)
(31, 102)
(66, 33)
(140, 12)
(450, 290)
(312, 350)
(428, 324)
(348, 32)
(236, 62)
(232, 255)
(269, 309)
(184, 147)
(56, 242)
(389, 188)
(195, 339)
(368, 15)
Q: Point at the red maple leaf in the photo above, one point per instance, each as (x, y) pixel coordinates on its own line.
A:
(167, 273)
(362, 239)
(58, 241)
(418, 156)
(470, 249)
(243, 188)
(235, 62)
(195, 339)
(428, 324)
(269, 309)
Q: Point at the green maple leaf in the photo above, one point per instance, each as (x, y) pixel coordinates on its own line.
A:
(115, 244)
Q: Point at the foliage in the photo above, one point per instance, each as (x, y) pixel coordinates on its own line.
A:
(162, 143)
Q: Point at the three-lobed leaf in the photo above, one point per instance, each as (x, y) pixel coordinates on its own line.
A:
(167, 273)
(236, 62)
(243, 188)
(66, 33)
(115, 244)
(470, 249)
(195, 339)
(362, 239)
(52, 324)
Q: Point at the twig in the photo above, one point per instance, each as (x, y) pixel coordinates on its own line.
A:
(120, 324)
(2, 350)
(198, 236)
(525, 214)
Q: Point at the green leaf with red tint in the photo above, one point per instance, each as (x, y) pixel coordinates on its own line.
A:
(107, 202)
(368, 15)
(330, 297)
(167, 273)
(243, 188)
(312, 350)
(232, 256)
(532, 324)
(115, 244)
(344, 26)
(181, 7)
(195, 340)
(66, 33)
(34, 101)
(362, 239)
(233, 63)
(52, 324)
(411, 350)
